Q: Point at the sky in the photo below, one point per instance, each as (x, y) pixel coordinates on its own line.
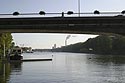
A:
(24, 6)
(45, 40)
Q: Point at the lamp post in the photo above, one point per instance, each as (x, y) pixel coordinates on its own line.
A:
(79, 8)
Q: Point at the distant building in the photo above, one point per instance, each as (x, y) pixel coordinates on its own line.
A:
(54, 46)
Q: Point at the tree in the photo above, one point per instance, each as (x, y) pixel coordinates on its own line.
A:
(102, 44)
(5, 39)
(118, 45)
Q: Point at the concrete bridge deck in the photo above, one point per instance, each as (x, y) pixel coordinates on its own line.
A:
(97, 24)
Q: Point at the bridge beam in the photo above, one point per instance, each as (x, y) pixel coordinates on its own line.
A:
(107, 24)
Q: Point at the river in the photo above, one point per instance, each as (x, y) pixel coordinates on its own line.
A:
(65, 68)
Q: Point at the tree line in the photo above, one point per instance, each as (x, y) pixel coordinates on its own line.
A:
(102, 44)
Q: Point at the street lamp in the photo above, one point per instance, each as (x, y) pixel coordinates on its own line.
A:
(79, 8)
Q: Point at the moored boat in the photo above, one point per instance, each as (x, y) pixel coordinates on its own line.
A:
(16, 54)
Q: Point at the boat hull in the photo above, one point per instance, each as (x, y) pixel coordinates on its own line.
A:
(16, 57)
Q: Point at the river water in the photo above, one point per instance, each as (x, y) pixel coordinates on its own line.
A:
(65, 68)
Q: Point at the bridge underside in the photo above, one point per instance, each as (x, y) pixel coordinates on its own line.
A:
(89, 25)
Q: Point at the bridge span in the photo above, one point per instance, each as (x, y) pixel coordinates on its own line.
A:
(90, 25)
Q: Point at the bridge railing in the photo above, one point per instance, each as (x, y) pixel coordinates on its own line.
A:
(62, 14)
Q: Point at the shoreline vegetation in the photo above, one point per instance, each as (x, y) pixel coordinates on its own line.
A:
(102, 44)
(6, 43)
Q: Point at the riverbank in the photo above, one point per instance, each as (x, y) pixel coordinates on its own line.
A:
(103, 44)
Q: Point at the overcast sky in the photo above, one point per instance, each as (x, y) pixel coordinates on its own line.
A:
(47, 40)
(9, 6)
(34, 6)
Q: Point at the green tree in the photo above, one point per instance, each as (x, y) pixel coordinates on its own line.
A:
(118, 45)
(5, 39)
(102, 44)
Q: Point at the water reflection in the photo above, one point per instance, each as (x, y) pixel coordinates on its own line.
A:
(66, 67)
(107, 59)
(110, 67)
(16, 67)
(6, 69)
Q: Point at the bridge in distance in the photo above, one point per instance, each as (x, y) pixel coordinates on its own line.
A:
(82, 25)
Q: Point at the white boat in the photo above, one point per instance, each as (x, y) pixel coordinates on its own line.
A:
(16, 54)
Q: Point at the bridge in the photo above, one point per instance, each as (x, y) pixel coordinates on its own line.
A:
(82, 25)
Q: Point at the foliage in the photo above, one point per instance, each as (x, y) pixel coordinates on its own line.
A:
(25, 49)
(100, 44)
(103, 44)
(118, 45)
(5, 39)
